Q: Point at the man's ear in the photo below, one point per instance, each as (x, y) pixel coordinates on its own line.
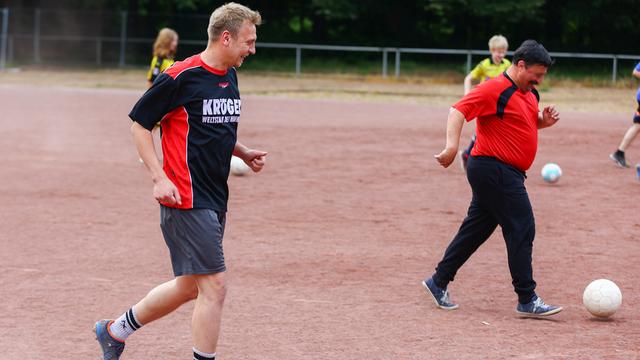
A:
(225, 37)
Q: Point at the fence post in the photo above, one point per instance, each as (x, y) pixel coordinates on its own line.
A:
(4, 38)
(298, 60)
(468, 61)
(384, 63)
(98, 51)
(123, 38)
(615, 69)
(36, 36)
(397, 63)
(10, 53)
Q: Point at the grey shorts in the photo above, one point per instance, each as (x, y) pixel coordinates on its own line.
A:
(194, 238)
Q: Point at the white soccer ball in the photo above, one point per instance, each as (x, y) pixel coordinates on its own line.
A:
(239, 167)
(602, 298)
(551, 173)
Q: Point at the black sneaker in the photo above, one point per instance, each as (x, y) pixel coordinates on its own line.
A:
(619, 159)
(439, 295)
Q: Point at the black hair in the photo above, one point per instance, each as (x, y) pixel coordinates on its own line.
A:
(533, 53)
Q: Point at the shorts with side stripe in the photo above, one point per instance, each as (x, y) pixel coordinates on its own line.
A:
(194, 238)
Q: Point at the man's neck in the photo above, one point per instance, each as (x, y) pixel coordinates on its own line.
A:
(210, 57)
(511, 72)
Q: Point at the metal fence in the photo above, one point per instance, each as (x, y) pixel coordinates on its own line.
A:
(4, 40)
(113, 43)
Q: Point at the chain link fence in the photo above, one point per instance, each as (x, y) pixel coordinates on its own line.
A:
(107, 38)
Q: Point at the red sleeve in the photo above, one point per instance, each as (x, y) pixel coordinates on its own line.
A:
(480, 101)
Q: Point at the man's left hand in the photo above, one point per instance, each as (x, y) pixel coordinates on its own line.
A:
(255, 159)
(550, 116)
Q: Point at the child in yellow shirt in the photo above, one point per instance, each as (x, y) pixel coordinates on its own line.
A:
(485, 70)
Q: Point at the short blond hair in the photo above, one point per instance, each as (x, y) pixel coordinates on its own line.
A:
(162, 45)
(498, 42)
(230, 17)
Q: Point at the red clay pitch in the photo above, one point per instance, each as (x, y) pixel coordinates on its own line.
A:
(325, 249)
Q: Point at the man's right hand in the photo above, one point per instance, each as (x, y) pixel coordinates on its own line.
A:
(166, 192)
(446, 157)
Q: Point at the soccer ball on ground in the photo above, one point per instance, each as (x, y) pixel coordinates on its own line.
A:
(602, 298)
(238, 167)
(551, 173)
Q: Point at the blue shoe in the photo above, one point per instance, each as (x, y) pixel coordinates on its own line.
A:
(439, 295)
(111, 348)
(537, 308)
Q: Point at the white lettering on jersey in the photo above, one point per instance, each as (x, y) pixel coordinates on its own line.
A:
(223, 106)
(219, 108)
(206, 107)
(230, 107)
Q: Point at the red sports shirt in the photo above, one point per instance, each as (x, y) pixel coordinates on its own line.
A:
(507, 126)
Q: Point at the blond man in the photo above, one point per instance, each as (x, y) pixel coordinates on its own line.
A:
(486, 69)
(198, 103)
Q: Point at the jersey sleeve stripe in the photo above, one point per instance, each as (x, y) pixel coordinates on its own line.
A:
(175, 142)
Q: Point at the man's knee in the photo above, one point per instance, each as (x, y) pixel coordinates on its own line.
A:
(212, 287)
(188, 288)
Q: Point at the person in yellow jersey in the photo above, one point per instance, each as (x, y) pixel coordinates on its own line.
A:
(488, 68)
(164, 49)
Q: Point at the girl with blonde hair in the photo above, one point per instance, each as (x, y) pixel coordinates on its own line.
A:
(164, 49)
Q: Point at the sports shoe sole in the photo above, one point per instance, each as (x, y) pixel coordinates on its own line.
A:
(541, 315)
(424, 284)
(617, 162)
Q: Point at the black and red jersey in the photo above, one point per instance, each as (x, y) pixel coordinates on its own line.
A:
(198, 108)
(507, 125)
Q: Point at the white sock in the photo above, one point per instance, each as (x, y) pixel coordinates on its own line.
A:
(125, 325)
(199, 355)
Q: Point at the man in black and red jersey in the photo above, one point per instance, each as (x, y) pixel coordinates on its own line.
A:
(508, 122)
(198, 103)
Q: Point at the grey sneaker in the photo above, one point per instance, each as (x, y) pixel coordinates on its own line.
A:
(439, 295)
(619, 159)
(111, 348)
(537, 308)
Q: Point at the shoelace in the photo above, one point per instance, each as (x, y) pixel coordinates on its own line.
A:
(445, 296)
(538, 304)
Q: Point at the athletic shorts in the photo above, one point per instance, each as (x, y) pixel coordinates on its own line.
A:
(636, 117)
(194, 238)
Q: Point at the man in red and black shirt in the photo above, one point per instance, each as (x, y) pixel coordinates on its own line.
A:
(198, 104)
(508, 120)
